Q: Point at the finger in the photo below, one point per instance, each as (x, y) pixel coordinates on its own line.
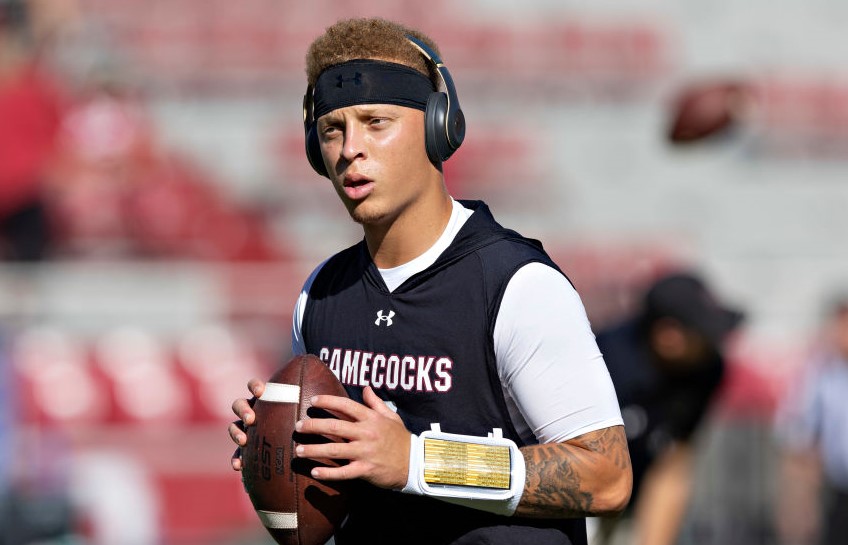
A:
(237, 434)
(342, 407)
(242, 408)
(345, 472)
(236, 460)
(330, 427)
(256, 387)
(325, 451)
(373, 401)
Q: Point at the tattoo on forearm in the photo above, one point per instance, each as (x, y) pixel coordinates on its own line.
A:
(612, 443)
(557, 475)
(545, 472)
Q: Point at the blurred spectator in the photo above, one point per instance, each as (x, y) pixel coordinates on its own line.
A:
(34, 507)
(666, 363)
(6, 448)
(116, 191)
(105, 153)
(812, 429)
(30, 110)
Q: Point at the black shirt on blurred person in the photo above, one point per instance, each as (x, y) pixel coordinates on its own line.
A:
(666, 363)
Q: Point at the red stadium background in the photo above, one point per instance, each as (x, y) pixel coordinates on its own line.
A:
(185, 217)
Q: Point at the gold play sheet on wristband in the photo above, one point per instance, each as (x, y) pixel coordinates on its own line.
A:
(466, 464)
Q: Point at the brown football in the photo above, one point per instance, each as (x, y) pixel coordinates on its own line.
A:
(705, 110)
(294, 508)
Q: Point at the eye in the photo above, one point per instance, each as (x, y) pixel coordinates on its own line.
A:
(377, 121)
(330, 131)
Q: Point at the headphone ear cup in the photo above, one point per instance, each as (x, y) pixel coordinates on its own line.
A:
(313, 151)
(435, 137)
(455, 129)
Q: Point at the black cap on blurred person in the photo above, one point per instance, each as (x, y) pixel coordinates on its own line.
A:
(685, 297)
(13, 14)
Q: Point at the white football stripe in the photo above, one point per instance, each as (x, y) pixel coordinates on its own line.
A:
(278, 521)
(280, 393)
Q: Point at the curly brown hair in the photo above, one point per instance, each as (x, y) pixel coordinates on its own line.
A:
(373, 38)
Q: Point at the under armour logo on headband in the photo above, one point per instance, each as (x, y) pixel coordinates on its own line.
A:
(356, 79)
(366, 81)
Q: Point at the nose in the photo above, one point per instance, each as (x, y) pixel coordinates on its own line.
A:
(354, 142)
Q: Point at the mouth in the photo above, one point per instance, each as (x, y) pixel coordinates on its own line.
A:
(357, 186)
(355, 180)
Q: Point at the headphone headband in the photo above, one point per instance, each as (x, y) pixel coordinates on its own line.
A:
(454, 137)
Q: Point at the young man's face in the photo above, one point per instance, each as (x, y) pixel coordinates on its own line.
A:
(376, 158)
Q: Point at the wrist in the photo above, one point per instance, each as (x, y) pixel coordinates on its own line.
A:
(486, 473)
(412, 486)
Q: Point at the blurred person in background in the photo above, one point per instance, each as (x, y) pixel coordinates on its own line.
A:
(667, 363)
(496, 334)
(812, 431)
(7, 449)
(30, 113)
(34, 507)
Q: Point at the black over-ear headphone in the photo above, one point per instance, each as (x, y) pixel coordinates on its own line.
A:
(444, 122)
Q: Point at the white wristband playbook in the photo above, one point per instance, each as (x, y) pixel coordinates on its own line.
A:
(485, 473)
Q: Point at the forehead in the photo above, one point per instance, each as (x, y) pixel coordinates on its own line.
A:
(367, 110)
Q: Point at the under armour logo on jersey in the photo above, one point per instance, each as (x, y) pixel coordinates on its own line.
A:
(387, 318)
(356, 79)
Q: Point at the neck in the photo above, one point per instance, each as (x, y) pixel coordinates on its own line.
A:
(412, 232)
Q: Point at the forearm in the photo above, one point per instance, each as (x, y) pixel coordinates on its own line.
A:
(798, 501)
(664, 499)
(587, 476)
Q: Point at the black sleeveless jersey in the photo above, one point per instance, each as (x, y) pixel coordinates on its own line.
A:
(427, 347)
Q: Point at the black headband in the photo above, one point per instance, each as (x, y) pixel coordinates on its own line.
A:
(365, 81)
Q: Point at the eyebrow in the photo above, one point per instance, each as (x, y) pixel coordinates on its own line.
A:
(371, 108)
(363, 110)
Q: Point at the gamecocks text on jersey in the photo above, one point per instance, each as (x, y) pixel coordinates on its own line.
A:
(390, 372)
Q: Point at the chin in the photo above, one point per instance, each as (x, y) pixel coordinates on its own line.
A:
(369, 219)
(367, 215)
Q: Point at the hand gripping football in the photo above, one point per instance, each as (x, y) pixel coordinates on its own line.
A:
(294, 508)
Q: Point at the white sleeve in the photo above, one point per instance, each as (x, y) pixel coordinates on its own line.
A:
(297, 345)
(549, 363)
